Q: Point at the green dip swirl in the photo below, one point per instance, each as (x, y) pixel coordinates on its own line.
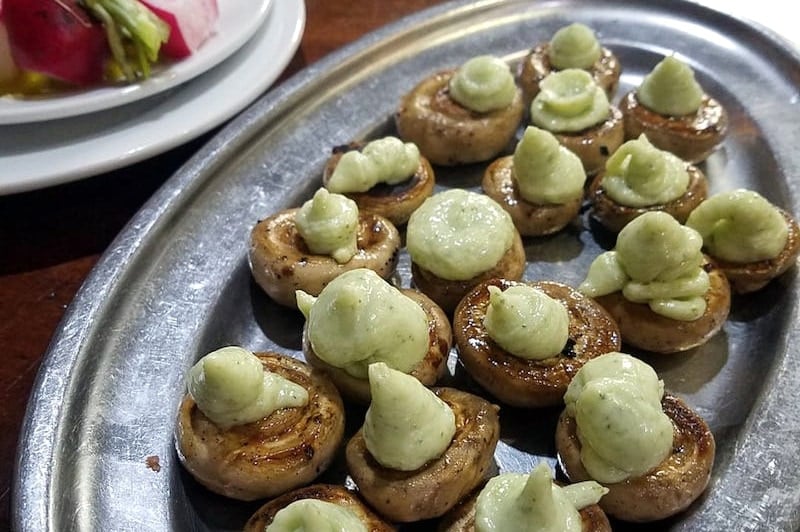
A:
(569, 101)
(387, 160)
(313, 515)
(483, 84)
(547, 172)
(640, 175)
(574, 46)
(740, 226)
(671, 89)
(328, 224)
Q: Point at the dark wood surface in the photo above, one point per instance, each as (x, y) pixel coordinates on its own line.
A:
(50, 239)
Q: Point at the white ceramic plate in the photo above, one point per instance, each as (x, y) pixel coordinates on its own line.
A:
(238, 21)
(43, 154)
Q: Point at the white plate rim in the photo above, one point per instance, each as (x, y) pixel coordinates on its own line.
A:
(49, 154)
(238, 21)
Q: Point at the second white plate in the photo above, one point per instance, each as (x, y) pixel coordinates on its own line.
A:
(238, 21)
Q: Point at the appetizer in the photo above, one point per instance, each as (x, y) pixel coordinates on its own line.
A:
(658, 286)
(516, 502)
(359, 319)
(457, 239)
(751, 240)
(572, 46)
(420, 451)
(463, 116)
(317, 507)
(672, 109)
(619, 428)
(257, 425)
(574, 108)
(640, 178)
(523, 342)
(63, 44)
(306, 248)
(541, 185)
(385, 176)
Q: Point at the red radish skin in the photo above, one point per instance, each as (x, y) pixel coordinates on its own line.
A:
(57, 38)
(191, 23)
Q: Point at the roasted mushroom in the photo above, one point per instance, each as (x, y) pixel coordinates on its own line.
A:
(525, 382)
(282, 262)
(573, 46)
(750, 240)
(456, 122)
(329, 493)
(671, 108)
(269, 455)
(416, 492)
(390, 197)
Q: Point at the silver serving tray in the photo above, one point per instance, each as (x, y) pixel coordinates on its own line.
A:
(175, 283)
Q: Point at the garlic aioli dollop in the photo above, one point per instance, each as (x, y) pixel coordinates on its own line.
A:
(359, 319)
(569, 101)
(458, 234)
(387, 160)
(656, 261)
(328, 224)
(406, 424)
(640, 175)
(526, 322)
(313, 515)
(516, 502)
(740, 226)
(232, 387)
(671, 89)
(546, 172)
(574, 46)
(483, 84)
(616, 402)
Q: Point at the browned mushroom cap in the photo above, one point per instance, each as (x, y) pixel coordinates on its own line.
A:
(462, 518)
(427, 371)
(448, 133)
(323, 492)
(614, 216)
(531, 383)
(594, 145)
(643, 328)
(280, 452)
(281, 262)
(448, 293)
(752, 276)
(433, 489)
(536, 66)
(691, 137)
(395, 202)
(666, 490)
(530, 219)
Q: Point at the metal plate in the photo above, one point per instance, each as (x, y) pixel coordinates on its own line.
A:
(175, 284)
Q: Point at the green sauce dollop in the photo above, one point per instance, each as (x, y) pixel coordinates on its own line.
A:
(547, 172)
(515, 502)
(671, 89)
(526, 322)
(359, 319)
(232, 387)
(387, 160)
(406, 425)
(640, 175)
(328, 224)
(616, 401)
(656, 261)
(574, 46)
(740, 226)
(458, 234)
(569, 101)
(312, 515)
(484, 83)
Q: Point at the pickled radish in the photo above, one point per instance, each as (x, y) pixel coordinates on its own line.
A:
(191, 23)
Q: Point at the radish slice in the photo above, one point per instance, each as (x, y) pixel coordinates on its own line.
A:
(191, 23)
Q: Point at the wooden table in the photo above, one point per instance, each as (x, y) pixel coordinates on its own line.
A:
(50, 239)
